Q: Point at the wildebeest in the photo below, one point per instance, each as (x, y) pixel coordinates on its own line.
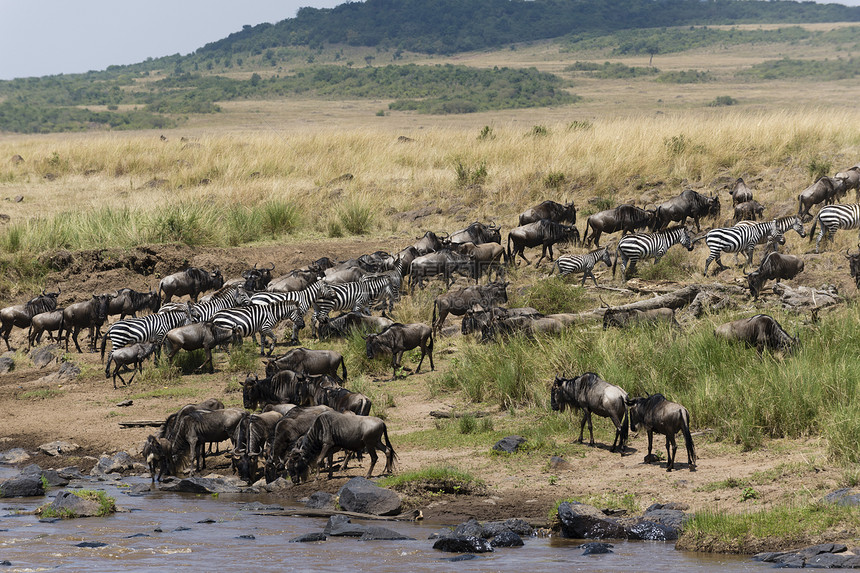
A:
(320, 393)
(529, 325)
(477, 233)
(429, 243)
(251, 437)
(569, 264)
(444, 262)
(591, 393)
(760, 331)
(307, 361)
(132, 355)
(158, 453)
(342, 325)
(89, 314)
(774, 267)
(257, 279)
(825, 189)
(854, 267)
(45, 321)
(850, 179)
(376, 262)
(545, 233)
(295, 280)
(488, 258)
(336, 276)
(129, 302)
(624, 218)
(192, 281)
(333, 431)
(22, 314)
(398, 338)
(288, 430)
(622, 318)
(477, 318)
(459, 301)
(202, 426)
(688, 203)
(205, 335)
(549, 210)
(657, 414)
(748, 211)
(279, 388)
(740, 192)
(171, 424)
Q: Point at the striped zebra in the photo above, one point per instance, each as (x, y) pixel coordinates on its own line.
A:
(227, 297)
(568, 264)
(303, 298)
(148, 328)
(262, 318)
(833, 218)
(638, 246)
(356, 295)
(784, 224)
(741, 239)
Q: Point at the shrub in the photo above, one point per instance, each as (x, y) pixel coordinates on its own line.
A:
(356, 216)
(467, 175)
(722, 100)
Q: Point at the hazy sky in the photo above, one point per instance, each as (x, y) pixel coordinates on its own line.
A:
(45, 37)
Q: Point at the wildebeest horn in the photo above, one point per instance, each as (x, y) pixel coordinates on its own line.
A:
(272, 267)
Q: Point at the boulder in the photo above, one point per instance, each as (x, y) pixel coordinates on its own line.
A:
(14, 456)
(518, 526)
(45, 355)
(463, 544)
(845, 496)
(580, 521)
(309, 537)
(469, 528)
(58, 447)
(67, 504)
(651, 531)
(117, 463)
(335, 520)
(23, 486)
(344, 528)
(363, 496)
(7, 364)
(200, 485)
(509, 445)
(376, 533)
(596, 548)
(507, 539)
(320, 500)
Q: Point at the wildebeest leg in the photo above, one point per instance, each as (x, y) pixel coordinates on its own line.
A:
(582, 425)
(650, 445)
(522, 253)
(543, 254)
(671, 450)
(371, 450)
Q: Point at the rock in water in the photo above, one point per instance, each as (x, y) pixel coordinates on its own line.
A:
(363, 496)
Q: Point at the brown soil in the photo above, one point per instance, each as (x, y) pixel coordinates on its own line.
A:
(35, 410)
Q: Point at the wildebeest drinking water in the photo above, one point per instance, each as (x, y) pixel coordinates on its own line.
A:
(657, 414)
(591, 393)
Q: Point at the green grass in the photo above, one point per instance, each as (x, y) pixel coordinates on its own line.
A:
(40, 394)
(440, 479)
(107, 505)
(356, 217)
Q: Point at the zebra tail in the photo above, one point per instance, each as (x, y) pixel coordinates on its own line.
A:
(814, 223)
(615, 262)
(553, 267)
(107, 366)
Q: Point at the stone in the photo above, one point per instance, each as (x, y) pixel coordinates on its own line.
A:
(465, 557)
(7, 364)
(201, 485)
(333, 521)
(54, 478)
(845, 496)
(363, 496)
(469, 528)
(376, 533)
(557, 463)
(308, 537)
(581, 521)
(346, 529)
(320, 500)
(90, 544)
(14, 456)
(45, 355)
(827, 561)
(463, 544)
(596, 548)
(814, 550)
(67, 504)
(22, 486)
(651, 531)
(58, 447)
(509, 444)
(119, 462)
(507, 539)
(673, 518)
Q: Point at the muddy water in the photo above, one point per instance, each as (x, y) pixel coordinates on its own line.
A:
(160, 531)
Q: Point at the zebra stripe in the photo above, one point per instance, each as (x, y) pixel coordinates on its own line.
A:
(152, 327)
(633, 248)
(568, 264)
(228, 297)
(356, 295)
(262, 318)
(741, 238)
(833, 218)
(303, 298)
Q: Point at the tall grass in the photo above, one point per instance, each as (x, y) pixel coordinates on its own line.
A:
(743, 397)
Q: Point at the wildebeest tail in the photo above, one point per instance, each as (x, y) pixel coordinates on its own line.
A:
(812, 229)
(688, 437)
(391, 455)
(107, 365)
(433, 320)
(625, 430)
(615, 262)
(510, 259)
(104, 343)
(343, 365)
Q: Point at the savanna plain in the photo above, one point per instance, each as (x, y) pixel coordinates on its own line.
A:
(286, 182)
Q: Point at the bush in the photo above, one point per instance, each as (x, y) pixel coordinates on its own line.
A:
(356, 216)
(722, 100)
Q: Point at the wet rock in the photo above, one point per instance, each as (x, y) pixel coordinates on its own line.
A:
(439, 534)
(466, 557)
(345, 529)
(58, 447)
(70, 473)
(507, 539)
(672, 505)
(68, 505)
(246, 536)
(139, 489)
(320, 500)
(580, 521)
(117, 463)
(22, 486)
(518, 526)
(335, 520)
(7, 364)
(308, 537)
(137, 535)
(596, 548)
(14, 456)
(376, 533)
(652, 531)
(509, 445)
(363, 496)
(90, 544)
(206, 521)
(200, 485)
(463, 544)
(469, 528)
(257, 506)
(279, 484)
(45, 355)
(6, 563)
(182, 528)
(845, 496)
(52, 477)
(823, 555)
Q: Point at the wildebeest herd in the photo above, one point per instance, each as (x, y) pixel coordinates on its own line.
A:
(309, 414)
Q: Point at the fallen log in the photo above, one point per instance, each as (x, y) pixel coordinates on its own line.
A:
(141, 424)
(440, 414)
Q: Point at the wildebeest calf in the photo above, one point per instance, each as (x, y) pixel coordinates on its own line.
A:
(657, 414)
(127, 356)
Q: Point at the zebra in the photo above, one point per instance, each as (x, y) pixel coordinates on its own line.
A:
(568, 264)
(833, 218)
(638, 246)
(227, 297)
(262, 318)
(356, 295)
(741, 239)
(784, 224)
(150, 328)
